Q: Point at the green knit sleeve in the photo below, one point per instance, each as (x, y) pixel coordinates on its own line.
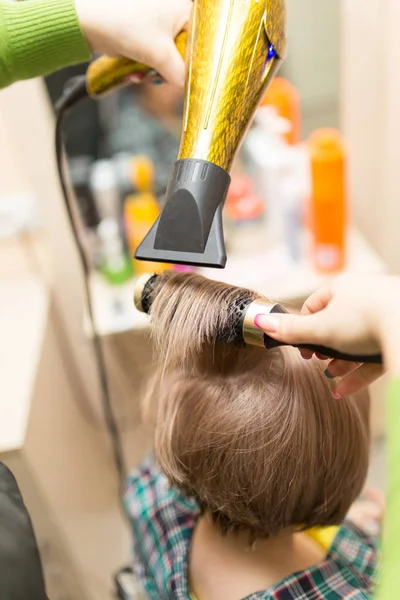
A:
(389, 579)
(38, 37)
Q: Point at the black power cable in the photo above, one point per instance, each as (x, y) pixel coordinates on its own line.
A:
(74, 92)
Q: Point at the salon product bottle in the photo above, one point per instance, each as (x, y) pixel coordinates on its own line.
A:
(284, 97)
(328, 201)
(80, 169)
(87, 215)
(104, 184)
(115, 265)
(268, 159)
(140, 213)
(245, 212)
(241, 186)
(295, 193)
(122, 164)
(142, 173)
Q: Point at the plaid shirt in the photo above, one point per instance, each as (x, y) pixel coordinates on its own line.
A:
(163, 521)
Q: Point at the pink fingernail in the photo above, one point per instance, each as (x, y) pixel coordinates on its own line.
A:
(336, 395)
(268, 323)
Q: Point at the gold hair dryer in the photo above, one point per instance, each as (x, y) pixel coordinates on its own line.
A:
(233, 50)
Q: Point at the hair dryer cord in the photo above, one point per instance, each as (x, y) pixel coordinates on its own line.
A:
(74, 92)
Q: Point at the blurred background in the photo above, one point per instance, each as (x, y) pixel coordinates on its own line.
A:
(314, 193)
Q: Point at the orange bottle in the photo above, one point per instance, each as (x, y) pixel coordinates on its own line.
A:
(142, 173)
(328, 202)
(140, 212)
(284, 97)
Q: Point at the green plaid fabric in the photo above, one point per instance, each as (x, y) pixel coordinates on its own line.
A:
(163, 520)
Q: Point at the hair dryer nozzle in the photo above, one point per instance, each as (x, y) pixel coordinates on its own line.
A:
(189, 230)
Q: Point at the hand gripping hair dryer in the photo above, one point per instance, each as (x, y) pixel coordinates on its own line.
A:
(234, 49)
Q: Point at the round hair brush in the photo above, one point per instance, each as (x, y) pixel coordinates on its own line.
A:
(243, 313)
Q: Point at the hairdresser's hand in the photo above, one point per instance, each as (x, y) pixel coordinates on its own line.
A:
(356, 315)
(142, 30)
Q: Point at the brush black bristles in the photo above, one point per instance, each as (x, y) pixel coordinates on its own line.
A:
(233, 331)
(148, 294)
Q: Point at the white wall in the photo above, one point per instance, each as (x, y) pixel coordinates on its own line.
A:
(313, 61)
(28, 127)
(371, 118)
(13, 177)
(344, 57)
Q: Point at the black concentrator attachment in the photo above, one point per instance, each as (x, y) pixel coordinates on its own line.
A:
(242, 330)
(189, 230)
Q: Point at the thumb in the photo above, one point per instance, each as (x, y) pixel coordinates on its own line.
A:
(170, 64)
(292, 329)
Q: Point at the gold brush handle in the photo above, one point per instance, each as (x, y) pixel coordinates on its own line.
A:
(106, 73)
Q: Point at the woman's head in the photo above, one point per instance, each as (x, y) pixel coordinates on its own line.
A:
(254, 436)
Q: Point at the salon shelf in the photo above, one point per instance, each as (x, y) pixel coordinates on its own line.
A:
(272, 273)
(275, 275)
(113, 308)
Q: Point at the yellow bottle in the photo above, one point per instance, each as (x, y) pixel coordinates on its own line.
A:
(142, 173)
(140, 213)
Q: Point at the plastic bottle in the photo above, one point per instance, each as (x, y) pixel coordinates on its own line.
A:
(295, 193)
(115, 265)
(244, 213)
(122, 164)
(140, 213)
(142, 173)
(80, 168)
(285, 98)
(241, 185)
(268, 160)
(328, 202)
(104, 184)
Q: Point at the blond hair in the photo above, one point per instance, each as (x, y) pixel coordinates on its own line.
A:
(254, 436)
